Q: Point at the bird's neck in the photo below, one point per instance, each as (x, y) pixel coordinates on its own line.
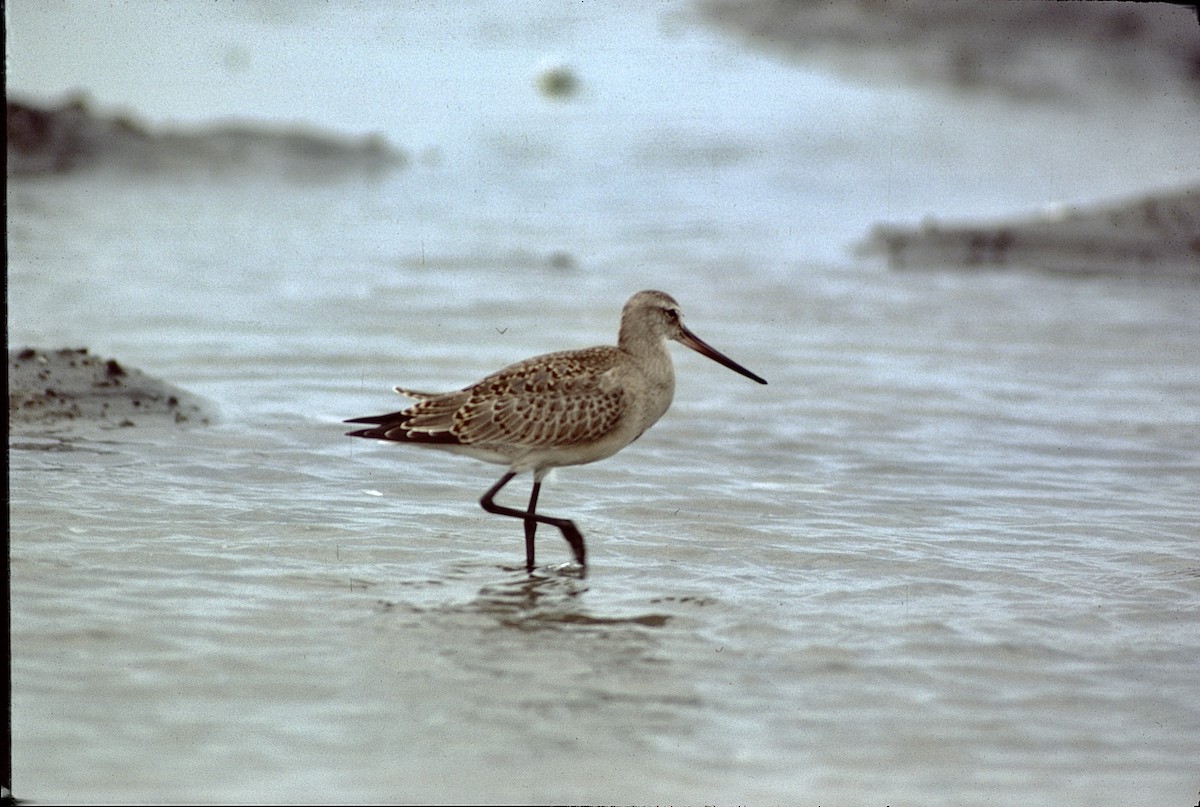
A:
(652, 358)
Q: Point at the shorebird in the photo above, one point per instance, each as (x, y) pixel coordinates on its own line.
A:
(554, 410)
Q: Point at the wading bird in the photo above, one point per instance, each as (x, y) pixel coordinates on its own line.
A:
(565, 408)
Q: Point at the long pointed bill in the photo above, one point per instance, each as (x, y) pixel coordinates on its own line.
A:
(697, 344)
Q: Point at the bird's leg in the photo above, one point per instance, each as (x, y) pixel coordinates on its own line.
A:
(568, 529)
(531, 524)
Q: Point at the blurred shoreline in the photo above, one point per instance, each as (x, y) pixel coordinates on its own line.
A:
(46, 139)
(1157, 234)
(1036, 53)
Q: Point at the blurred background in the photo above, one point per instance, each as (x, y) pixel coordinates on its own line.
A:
(910, 113)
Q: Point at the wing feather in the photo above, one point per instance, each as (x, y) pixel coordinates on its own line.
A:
(555, 399)
(560, 398)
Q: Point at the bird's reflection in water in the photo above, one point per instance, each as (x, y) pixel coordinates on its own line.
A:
(546, 599)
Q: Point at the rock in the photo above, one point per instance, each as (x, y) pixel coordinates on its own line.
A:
(557, 82)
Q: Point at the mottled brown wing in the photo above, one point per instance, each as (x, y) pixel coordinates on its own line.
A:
(430, 421)
(557, 399)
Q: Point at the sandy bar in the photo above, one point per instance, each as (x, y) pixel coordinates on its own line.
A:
(54, 139)
(1156, 235)
(56, 389)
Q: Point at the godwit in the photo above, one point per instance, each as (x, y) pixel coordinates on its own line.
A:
(565, 408)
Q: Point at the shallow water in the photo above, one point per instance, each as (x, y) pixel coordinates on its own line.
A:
(948, 556)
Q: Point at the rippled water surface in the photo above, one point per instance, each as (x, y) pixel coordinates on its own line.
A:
(948, 556)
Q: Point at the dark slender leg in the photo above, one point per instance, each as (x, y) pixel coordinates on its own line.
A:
(568, 529)
(531, 525)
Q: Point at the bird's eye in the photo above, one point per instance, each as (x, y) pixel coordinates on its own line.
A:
(672, 314)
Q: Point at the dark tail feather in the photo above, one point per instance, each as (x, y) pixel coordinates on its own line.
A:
(395, 418)
(394, 427)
